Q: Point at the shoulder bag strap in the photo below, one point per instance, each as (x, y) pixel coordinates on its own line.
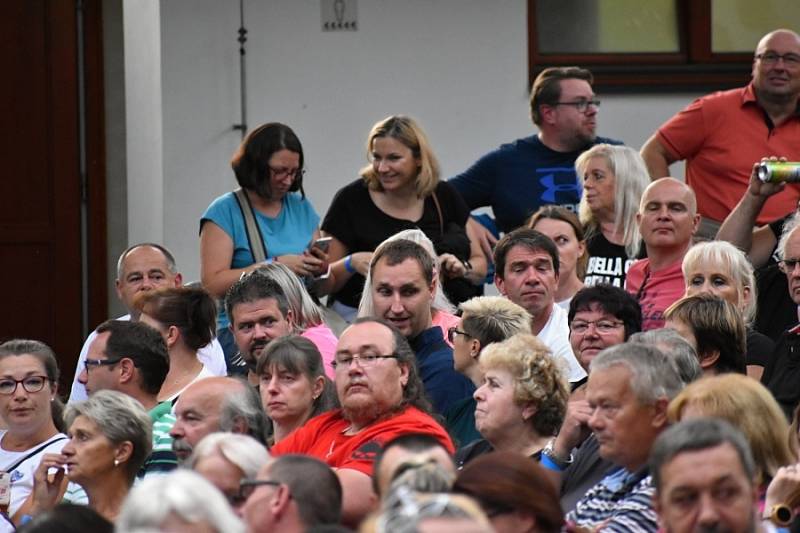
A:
(34, 452)
(257, 246)
(439, 212)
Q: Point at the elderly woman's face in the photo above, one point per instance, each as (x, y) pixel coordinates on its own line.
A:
(26, 407)
(497, 415)
(89, 454)
(592, 331)
(717, 280)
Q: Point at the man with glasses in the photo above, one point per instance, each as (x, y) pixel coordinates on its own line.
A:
(518, 178)
(782, 374)
(131, 357)
(292, 494)
(722, 134)
(381, 396)
(403, 284)
(145, 267)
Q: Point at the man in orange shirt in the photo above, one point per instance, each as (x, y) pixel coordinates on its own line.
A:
(721, 135)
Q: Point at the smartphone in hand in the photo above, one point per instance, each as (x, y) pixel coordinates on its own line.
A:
(323, 243)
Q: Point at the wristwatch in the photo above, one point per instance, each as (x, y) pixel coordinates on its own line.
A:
(779, 514)
(549, 451)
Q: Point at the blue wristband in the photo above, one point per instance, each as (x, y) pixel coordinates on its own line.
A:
(549, 464)
(348, 264)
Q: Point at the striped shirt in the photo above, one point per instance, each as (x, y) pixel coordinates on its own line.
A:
(162, 459)
(622, 502)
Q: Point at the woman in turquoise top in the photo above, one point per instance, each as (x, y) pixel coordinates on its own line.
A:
(269, 168)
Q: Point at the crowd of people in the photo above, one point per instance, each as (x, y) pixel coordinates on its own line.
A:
(636, 373)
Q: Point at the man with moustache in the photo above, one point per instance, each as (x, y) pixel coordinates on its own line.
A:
(382, 397)
(216, 404)
(667, 220)
(259, 312)
(722, 134)
(519, 177)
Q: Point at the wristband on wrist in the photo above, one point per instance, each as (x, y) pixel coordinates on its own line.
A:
(549, 464)
(550, 453)
(348, 264)
(270, 260)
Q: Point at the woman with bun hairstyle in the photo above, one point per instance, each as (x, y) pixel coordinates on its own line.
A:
(185, 317)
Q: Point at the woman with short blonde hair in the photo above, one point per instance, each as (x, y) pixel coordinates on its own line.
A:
(750, 407)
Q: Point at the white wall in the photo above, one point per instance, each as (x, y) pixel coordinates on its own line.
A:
(459, 66)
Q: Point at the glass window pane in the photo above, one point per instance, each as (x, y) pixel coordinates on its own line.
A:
(606, 26)
(738, 25)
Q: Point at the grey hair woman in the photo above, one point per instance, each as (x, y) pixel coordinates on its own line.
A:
(225, 459)
(110, 438)
(181, 499)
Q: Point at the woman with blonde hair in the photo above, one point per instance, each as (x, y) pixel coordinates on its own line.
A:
(522, 401)
(750, 407)
(614, 178)
(718, 267)
(400, 189)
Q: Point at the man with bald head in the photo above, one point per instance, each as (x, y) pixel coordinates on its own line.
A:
(721, 135)
(216, 404)
(667, 220)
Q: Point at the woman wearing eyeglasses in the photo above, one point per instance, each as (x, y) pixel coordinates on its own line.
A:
(400, 190)
(110, 438)
(269, 169)
(28, 384)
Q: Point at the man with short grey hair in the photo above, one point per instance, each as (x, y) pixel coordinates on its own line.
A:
(781, 374)
(629, 388)
(140, 268)
(216, 404)
(705, 478)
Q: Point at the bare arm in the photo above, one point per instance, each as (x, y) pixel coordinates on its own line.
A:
(358, 499)
(216, 255)
(656, 158)
(738, 226)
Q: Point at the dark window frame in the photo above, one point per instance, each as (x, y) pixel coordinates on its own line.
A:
(695, 67)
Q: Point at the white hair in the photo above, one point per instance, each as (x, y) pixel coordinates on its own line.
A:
(440, 301)
(243, 451)
(789, 226)
(183, 493)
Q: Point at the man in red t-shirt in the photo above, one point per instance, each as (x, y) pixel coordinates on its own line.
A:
(382, 397)
(667, 220)
(722, 134)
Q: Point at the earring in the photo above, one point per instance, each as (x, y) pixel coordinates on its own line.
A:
(116, 462)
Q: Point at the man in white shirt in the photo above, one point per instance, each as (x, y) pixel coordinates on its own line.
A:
(526, 272)
(145, 267)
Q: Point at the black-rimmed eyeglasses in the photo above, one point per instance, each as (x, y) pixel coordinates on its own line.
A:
(31, 384)
(247, 486)
(88, 363)
(344, 361)
(580, 105)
